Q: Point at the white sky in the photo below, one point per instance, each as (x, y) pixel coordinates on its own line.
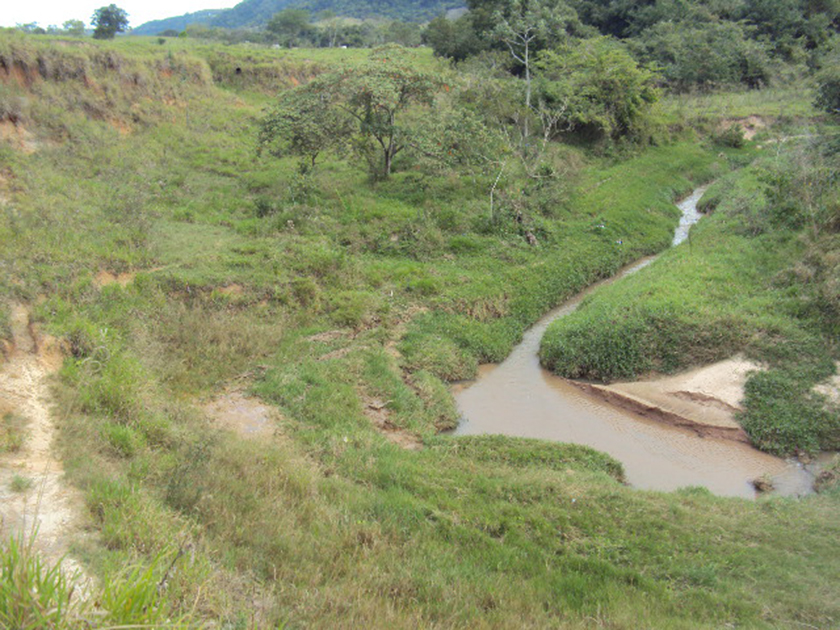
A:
(47, 12)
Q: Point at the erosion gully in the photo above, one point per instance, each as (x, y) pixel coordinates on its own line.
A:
(519, 398)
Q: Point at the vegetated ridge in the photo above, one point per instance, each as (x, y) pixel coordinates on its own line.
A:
(178, 23)
(256, 13)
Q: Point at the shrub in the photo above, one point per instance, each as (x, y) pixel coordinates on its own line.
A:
(12, 433)
(828, 88)
(732, 137)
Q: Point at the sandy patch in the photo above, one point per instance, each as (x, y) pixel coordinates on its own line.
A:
(233, 290)
(16, 135)
(750, 124)
(105, 278)
(329, 335)
(831, 388)
(121, 127)
(250, 418)
(49, 505)
(335, 354)
(704, 399)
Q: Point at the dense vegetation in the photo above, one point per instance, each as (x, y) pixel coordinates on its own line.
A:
(344, 295)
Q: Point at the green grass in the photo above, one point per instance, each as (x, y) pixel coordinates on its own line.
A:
(336, 301)
(35, 595)
(12, 432)
(20, 484)
(784, 102)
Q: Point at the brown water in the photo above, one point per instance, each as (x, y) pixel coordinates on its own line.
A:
(519, 398)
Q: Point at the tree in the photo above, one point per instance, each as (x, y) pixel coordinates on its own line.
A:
(108, 21)
(406, 34)
(330, 25)
(828, 88)
(525, 28)
(454, 39)
(303, 123)
(376, 95)
(380, 108)
(74, 28)
(703, 55)
(291, 26)
(32, 28)
(596, 83)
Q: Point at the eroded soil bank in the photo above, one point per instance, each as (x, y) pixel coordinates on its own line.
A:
(34, 498)
(663, 445)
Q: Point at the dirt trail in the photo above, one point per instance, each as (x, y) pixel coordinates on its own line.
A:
(49, 505)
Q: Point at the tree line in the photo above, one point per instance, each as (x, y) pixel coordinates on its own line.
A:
(107, 21)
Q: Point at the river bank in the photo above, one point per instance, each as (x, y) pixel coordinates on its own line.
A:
(659, 447)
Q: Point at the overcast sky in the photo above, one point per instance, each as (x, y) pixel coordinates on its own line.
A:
(56, 12)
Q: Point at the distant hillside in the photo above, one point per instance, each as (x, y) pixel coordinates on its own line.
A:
(178, 23)
(258, 12)
(255, 13)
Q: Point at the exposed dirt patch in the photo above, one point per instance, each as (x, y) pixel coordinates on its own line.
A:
(5, 186)
(829, 477)
(49, 505)
(377, 412)
(399, 331)
(329, 335)
(122, 127)
(750, 124)
(704, 399)
(335, 354)
(16, 135)
(831, 388)
(105, 278)
(19, 74)
(250, 418)
(231, 289)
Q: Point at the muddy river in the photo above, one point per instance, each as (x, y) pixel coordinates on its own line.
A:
(519, 398)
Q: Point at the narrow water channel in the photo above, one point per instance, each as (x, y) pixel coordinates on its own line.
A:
(519, 398)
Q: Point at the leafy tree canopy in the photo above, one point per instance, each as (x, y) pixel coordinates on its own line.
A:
(291, 26)
(379, 109)
(108, 21)
(828, 86)
(305, 124)
(455, 39)
(75, 28)
(705, 55)
(596, 83)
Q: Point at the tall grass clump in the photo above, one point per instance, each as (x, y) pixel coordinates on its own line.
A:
(32, 594)
(12, 432)
(35, 595)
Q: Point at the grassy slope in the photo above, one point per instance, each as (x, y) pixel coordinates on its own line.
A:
(330, 524)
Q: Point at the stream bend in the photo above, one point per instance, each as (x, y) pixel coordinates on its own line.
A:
(519, 398)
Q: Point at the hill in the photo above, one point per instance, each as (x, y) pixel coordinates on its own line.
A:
(255, 13)
(178, 23)
(258, 12)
